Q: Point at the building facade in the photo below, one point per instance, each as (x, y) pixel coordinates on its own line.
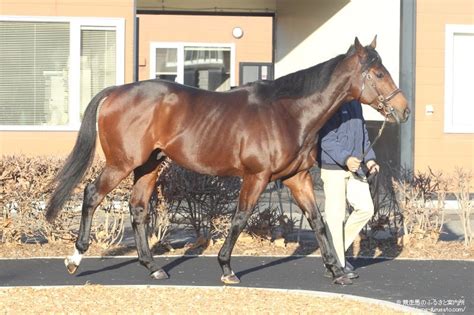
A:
(56, 54)
(444, 106)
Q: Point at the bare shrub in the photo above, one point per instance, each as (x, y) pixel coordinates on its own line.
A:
(421, 198)
(207, 203)
(23, 196)
(62, 229)
(196, 200)
(160, 213)
(160, 223)
(220, 227)
(109, 231)
(269, 224)
(24, 192)
(387, 215)
(461, 183)
(261, 223)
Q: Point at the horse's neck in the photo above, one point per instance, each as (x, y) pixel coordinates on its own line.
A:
(313, 111)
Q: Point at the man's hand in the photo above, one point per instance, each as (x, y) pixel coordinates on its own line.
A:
(372, 166)
(353, 164)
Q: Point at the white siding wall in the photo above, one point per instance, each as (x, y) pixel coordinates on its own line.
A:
(309, 32)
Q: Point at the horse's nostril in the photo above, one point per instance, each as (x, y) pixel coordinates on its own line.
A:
(407, 112)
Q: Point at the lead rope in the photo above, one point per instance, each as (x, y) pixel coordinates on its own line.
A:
(375, 140)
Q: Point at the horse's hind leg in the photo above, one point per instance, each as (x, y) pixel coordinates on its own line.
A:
(252, 187)
(94, 193)
(145, 178)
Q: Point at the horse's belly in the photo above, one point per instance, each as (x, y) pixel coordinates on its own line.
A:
(205, 161)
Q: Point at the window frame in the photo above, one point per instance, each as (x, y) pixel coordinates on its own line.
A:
(450, 31)
(76, 24)
(180, 56)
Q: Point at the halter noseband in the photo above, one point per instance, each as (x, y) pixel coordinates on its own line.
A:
(383, 101)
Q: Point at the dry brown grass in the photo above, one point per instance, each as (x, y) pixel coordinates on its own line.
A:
(172, 300)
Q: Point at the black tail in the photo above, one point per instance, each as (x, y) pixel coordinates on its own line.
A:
(80, 158)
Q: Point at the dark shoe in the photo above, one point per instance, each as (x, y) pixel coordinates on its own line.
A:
(342, 280)
(351, 274)
(348, 273)
(349, 266)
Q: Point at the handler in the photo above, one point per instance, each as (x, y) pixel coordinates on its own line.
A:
(342, 143)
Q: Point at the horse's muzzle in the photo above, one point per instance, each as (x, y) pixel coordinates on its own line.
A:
(397, 116)
(405, 115)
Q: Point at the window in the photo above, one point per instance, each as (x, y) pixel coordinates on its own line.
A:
(254, 71)
(50, 68)
(206, 66)
(166, 63)
(33, 73)
(98, 62)
(459, 67)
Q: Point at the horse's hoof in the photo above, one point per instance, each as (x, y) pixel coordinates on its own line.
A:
(230, 279)
(71, 267)
(159, 275)
(342, 280)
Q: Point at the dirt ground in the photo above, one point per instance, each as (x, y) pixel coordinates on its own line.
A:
(156, 300)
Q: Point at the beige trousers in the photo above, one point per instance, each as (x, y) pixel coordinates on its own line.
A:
(339, 186)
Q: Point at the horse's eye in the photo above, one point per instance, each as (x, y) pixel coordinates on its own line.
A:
(379, 75)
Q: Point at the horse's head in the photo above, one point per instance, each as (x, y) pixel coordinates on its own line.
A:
(374, 85)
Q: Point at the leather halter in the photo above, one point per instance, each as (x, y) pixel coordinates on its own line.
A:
(383, 104)
(383, 101)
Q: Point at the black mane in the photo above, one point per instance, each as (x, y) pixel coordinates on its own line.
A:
(308, 81)
(299, 84)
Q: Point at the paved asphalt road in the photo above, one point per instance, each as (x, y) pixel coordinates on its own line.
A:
(399, 281)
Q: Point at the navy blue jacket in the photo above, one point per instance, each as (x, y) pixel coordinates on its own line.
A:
(344, 135)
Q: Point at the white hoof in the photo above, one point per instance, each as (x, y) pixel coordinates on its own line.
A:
(71, 267)
(159, 275)
(73, 262)
(230, 279)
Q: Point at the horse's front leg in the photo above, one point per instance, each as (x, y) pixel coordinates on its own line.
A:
(252, 188)
(301, 187)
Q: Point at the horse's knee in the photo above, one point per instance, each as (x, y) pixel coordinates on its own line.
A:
(90, 195)
(139, 215)
(241, 218)
(321, 229)
(316, 221)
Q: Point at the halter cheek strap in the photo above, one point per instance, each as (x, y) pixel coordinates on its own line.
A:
(383, 101)
(364, 76)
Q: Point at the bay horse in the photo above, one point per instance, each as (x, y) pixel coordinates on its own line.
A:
(261, 132)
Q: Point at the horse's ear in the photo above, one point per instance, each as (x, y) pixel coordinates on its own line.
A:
(357, 44)
(360, 50)
(374, 42)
